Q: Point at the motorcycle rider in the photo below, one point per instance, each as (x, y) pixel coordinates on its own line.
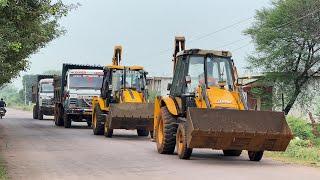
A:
(3, 105)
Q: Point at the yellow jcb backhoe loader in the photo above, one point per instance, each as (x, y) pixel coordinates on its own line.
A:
(123, 100)
(206, 108)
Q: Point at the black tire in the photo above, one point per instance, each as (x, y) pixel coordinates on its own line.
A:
(35, 112)
(232, 152)
(107, 131)
(40, 114)
(58, 119)
(89, 123)
(184, 152)
(66, 120)
(151, 134)
(167, 141)
(255, 155)
(142, 132)
(97, 124)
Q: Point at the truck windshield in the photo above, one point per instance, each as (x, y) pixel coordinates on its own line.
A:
(85, 81)
(218, 71)
(46, 88)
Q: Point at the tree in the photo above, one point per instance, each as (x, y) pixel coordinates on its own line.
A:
(25, 27)
(52, 72)
(287, 43)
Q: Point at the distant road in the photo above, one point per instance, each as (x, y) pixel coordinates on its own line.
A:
(36, 149)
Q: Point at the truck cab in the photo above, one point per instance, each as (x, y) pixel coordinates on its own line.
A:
(42, 93)
(81, 85)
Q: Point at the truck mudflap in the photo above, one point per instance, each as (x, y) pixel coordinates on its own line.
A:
(237, 130)
(131, 116)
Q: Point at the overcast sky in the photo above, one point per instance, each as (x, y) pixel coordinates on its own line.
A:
(146, 30)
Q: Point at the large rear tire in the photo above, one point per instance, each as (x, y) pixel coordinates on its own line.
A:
(232, 152)
(255, 155)
(35, 112)
(184, 152)
(66, 120)
(142, 132)
(97, 121)
(165, 132)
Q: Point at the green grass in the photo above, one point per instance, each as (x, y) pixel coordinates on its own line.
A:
(22, 107)
(3, 171)
(304, 149)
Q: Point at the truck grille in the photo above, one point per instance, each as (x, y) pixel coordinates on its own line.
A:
(82, 103)
(47, 102)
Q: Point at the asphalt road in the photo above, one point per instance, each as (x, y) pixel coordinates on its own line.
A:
(36, 149)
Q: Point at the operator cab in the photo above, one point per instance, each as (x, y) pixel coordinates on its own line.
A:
(120, 78)
(202, 68)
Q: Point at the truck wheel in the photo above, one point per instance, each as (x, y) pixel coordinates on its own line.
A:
(182, 147)
(165, 132)
(35, 112)
(97, 120)
(232, 152)
(66, 121)
(40, 115)
(255, 155)
(142, 132)
(57, 116)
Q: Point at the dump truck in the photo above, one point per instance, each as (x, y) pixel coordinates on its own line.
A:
(206, 109)
(123, 101)
(73, 93)
(42, 96)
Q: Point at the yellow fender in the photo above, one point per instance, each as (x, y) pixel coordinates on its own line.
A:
(98, 101)
(160, 102)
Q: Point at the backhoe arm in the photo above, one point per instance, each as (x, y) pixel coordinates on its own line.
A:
(117, 55)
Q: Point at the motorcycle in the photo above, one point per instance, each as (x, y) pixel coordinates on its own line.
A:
(2, 113)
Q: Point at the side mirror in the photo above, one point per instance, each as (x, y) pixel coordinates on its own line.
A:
(188, 79)
(169, 86)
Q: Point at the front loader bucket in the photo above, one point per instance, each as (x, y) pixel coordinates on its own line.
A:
(237, 130)
(131, 116)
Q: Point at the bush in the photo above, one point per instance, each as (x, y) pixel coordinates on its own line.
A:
(300, 128)
(301, 149)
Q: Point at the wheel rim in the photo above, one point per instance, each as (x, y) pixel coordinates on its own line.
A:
(180, 142)
(160, 132)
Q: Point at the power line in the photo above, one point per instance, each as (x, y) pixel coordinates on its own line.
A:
(238, 40)
(275, 28)
(219, 30)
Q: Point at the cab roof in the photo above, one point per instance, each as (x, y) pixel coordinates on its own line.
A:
(122, 67)
(203, 52)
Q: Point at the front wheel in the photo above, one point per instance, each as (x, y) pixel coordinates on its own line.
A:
(97, 119)
(255, 155)
(107, 131)
(184, 152)
(40, 115)
(58, 119)
(66, 121)
(232, 152)
(35, 112)
(142, 132)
